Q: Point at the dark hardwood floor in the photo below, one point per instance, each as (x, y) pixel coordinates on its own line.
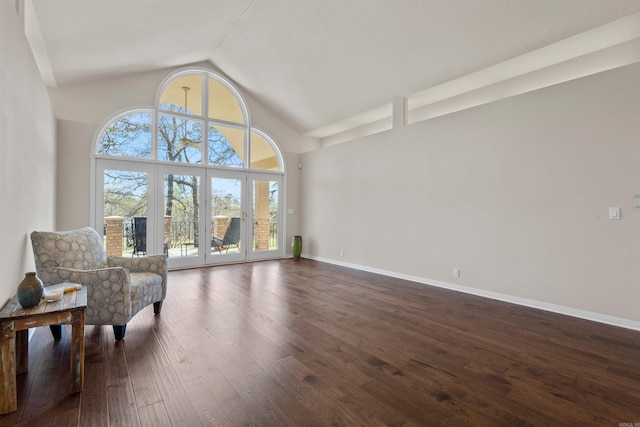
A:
(280, 343)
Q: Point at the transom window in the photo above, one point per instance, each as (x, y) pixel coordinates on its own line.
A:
(199, 119)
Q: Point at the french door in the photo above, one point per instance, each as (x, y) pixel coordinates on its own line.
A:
(124, 208)
(197, 216)
(222, 216)
(265, 216)
(227, 216)
(183, 209)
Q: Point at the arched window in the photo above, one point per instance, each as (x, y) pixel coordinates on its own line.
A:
(262, 154)
(127, 135)
(201, 119)
(199, 137)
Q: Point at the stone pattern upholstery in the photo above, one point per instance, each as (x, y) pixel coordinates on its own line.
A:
(117, 287)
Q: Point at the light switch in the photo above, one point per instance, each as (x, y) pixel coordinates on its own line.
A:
(614, 213)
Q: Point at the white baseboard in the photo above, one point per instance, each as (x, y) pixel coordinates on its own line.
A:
(569, 311)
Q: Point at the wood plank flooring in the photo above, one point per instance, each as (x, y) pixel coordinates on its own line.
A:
(280, 343)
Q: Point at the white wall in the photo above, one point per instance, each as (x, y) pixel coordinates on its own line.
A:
(27, 152)
(514, 193)
(81, 110)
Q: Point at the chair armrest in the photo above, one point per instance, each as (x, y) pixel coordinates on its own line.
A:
(108, 292)
(145, 264)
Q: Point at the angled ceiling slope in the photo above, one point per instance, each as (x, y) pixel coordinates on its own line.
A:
(327, 66)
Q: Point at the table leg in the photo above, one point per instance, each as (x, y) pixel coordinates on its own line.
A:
(8, 395)
(22, 351)
(77, 351)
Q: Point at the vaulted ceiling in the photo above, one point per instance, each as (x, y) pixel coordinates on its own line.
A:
(317, 62)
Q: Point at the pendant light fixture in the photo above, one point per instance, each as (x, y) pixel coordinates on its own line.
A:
(186, 142)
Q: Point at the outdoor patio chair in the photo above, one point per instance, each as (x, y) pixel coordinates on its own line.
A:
(139, 235)
(231, 237)
(117, 287)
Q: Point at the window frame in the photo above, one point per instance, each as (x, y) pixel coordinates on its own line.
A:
(100, 161)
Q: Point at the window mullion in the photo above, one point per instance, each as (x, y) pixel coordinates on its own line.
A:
(205, 119)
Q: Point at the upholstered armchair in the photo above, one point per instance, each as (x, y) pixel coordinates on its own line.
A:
(117, 287)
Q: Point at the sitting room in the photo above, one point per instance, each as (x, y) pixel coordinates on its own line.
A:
(210, 194)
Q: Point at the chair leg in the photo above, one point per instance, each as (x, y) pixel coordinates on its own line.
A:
(119, 331)
(157, 306)
(56, 331)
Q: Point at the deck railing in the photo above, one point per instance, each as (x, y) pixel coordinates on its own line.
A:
(181, 233)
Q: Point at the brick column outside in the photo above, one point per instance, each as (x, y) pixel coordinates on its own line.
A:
(220, 224)
(113, 239)
(261, 234)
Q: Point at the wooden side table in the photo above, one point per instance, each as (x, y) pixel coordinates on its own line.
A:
(15, 322)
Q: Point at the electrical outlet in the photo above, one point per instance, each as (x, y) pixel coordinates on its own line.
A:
(456, 272)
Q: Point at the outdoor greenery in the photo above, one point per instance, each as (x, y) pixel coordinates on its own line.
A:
(125, 194)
